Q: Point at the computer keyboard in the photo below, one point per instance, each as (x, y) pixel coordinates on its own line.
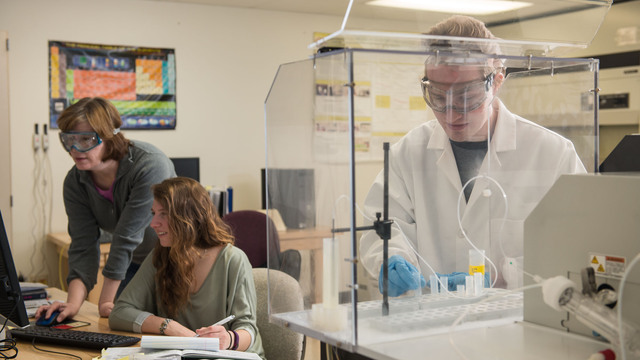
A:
(72, 338)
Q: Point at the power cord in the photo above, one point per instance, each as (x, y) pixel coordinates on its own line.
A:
(33, 343)
(8, 348)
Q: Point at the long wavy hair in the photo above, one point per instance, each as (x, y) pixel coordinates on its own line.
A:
(194, 226)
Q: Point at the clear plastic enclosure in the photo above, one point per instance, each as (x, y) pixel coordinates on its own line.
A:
(327, 121)
(538, 27)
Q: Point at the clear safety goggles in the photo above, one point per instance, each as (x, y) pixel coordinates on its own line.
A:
(461, 98)
(81, 141)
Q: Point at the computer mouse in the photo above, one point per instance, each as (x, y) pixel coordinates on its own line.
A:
(42, 321)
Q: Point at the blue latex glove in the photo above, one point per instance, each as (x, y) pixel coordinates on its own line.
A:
(403, 276)
(458, 278)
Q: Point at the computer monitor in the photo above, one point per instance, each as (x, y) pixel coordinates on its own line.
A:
(292, 193)
(624, 157)
(187, 167)
(11, 303)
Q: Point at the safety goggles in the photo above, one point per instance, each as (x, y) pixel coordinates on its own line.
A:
(461, 98)
(81, 141)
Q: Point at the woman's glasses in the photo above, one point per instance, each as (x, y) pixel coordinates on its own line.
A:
(81, 141)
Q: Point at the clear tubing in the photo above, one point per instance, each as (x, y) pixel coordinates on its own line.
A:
(601, 319)
(623, 342)
(464, 233)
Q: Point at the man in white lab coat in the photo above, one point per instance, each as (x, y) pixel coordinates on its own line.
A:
(504, 162)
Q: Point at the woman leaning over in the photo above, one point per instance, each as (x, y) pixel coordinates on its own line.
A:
(107, 190)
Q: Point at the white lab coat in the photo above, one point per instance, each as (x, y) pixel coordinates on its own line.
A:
(524, 158)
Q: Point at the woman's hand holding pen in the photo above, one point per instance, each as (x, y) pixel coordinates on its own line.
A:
(218, 331)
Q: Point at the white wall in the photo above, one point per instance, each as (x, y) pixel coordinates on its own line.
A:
(226, 60)
(621, 19)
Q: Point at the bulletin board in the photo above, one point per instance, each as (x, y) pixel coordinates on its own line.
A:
(387, 104)
(139, 81)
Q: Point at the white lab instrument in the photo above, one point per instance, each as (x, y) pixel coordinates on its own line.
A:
(562, 294)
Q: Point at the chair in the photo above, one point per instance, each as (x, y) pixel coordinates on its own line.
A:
(250, 229)
(279, 342)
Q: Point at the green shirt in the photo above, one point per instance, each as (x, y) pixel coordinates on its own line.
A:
(228, 289)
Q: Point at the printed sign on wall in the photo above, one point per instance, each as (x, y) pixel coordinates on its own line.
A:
(140, 82)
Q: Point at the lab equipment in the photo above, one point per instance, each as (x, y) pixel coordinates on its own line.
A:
(584, 220)
(340, 108)
(403, 276)
(81, 141)
(327, 315)
(476, 261)
(478, 283)
(458, 278)
(562, 294)
(433, 284)
(462, 98)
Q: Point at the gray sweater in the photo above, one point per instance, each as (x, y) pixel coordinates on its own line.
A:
(127, 218)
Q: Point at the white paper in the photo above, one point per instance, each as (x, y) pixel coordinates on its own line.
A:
(180, 343)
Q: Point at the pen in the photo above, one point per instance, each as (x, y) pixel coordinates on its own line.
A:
(222, 322)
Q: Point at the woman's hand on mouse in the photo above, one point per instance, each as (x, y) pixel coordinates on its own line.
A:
(67, 310)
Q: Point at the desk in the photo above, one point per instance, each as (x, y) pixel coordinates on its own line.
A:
(88, 312)
(302, 239)
(61, 241)
(308, 239)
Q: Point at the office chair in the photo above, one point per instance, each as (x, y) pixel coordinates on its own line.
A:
(278, 341)
(249, 227)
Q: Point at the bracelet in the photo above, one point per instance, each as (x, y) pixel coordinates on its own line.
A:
(236, 341)
(230, 340)
(164, 325)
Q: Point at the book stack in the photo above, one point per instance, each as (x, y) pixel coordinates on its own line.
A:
(34, 296)
(33, 291)
(222, 198)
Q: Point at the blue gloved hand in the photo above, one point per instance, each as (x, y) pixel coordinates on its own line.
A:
(458, 278)
(403, 276)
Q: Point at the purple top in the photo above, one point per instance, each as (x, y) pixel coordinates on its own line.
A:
(107, 194)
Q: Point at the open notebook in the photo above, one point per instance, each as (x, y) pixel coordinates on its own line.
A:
(177, 347)
(122, 352)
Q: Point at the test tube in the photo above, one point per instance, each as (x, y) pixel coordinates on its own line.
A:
(478, 283)
(444, 281)
(476, 261)
(433, 282)
(468, 282)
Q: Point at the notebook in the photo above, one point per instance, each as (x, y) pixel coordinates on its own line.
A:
(119, 353)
